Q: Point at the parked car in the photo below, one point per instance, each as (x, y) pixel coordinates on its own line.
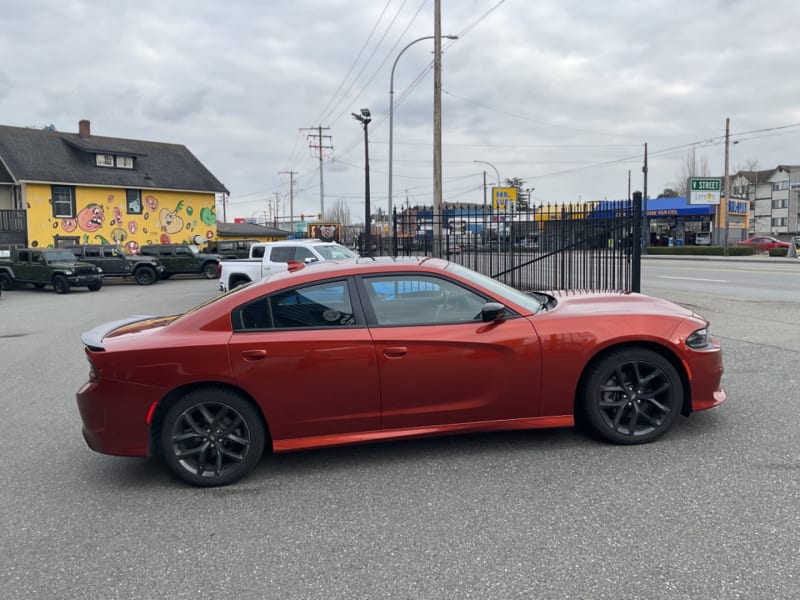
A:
(375, 349)
(702, 238)
(764, 243)
(182, 258)
(269, 257)
(48, 266)
(145, 270)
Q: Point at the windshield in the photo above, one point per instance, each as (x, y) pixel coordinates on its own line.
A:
(59, 256)
(532, 303)
(335, 252)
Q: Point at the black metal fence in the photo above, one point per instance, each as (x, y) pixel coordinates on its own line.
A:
(565, 246)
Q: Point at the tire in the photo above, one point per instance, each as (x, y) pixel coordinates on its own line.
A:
(631, 396)
(6, 282)
(210, 270)
(60, 284)
(145, 275)
(93, 287)
(191, 450)
(237, 281)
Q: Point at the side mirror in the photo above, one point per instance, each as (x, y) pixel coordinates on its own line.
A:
(492, 311)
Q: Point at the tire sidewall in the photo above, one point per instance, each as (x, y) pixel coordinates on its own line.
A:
(210, 270)
(60, 284)
(252, 419)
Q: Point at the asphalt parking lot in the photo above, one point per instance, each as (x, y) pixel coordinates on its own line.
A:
(709, 511)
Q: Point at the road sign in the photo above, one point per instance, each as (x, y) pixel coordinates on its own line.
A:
(704, 190)
(504, 198)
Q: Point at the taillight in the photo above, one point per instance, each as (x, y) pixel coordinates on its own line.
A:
(219, 270)
(92, 370)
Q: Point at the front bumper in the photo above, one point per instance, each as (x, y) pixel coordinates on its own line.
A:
(81, 280)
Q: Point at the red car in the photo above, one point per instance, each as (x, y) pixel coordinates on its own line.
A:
(764, 243)
(371, 349)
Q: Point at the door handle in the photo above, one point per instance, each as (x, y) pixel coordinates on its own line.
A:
(395, 351)
(254, 354)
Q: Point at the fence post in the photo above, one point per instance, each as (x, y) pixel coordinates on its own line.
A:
(636, 244)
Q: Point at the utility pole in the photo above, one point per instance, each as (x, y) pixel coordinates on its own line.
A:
(437, 128)
(319, 146)
(277, 203)
(727, 181)
(291, 197)
(224, 202)
(646, 227)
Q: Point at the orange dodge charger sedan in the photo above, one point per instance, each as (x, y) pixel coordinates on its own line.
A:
(370, 349)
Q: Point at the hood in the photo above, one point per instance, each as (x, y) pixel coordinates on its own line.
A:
(611, 302)
(70, 264)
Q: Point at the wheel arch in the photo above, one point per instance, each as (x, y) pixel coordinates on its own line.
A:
(665, 352)
(173, 396)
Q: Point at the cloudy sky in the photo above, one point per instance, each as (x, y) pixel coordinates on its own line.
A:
(561, 93)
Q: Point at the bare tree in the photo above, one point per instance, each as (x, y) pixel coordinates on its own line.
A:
(338, 213)
(693, 166)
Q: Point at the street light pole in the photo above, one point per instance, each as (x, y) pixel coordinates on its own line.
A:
(364, 118)
(483, 162)
(391, 106)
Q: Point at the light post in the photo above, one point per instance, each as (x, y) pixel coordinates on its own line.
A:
(483, 162)
(391, 105)
(364, 118)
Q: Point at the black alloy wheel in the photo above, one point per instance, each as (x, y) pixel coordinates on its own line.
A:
(60, 284)
(212, 437)
(631, 396)
(145, 275)
(210, 270)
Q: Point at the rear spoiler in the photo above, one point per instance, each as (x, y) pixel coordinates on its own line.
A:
(93, 339)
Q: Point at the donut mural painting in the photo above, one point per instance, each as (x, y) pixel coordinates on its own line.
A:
(108, 216)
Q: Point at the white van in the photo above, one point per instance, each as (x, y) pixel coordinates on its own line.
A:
(702, 238)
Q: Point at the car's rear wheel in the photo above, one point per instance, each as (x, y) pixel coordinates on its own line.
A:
(631, 396)
(60, 284)
(212, 437)
(145, 275)
(210, 270)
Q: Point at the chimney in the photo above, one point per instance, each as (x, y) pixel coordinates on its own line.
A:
(84, 128)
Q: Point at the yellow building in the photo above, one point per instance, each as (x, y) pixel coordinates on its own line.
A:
(66, 188)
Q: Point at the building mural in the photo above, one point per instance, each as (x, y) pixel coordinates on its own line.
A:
(130, 218)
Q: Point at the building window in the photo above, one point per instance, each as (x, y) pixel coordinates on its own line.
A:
(780, 203)
(779, 221)
(63, 201)
(124, 162)
(780, 185)
(133, 202)
(104, 160)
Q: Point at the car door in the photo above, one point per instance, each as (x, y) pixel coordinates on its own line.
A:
(439, 363)
(185, 260)
(306, 355)
(113, 260)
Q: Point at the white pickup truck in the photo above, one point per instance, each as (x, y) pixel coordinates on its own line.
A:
(269, 257)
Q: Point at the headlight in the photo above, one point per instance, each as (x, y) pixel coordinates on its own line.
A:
(99, 270)
(69, 272)
(699, 339)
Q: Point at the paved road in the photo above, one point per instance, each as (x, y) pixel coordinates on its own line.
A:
(710, 511)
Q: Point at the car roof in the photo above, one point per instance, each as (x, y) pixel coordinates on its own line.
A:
(330, 268)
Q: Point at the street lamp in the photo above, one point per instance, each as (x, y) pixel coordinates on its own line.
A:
(483, 162)
(364, 118)
(391, 105)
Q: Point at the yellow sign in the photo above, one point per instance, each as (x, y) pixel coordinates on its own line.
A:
(504, 198)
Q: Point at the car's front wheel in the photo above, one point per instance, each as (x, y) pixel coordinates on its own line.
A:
(212, 437)
(145, 275)
(6, 282)
(631, 396)
(60, 284)
(210, 271)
